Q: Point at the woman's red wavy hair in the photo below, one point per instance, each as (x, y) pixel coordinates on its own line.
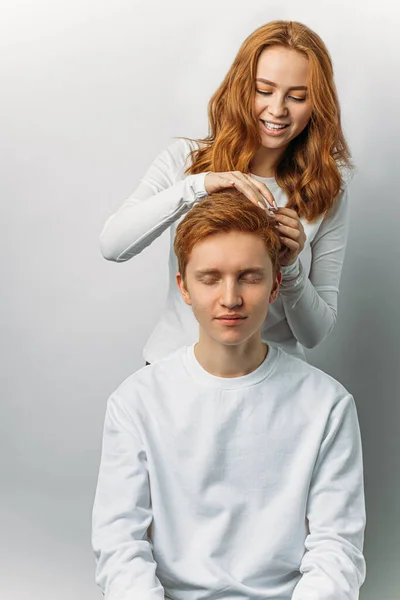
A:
(310, 170)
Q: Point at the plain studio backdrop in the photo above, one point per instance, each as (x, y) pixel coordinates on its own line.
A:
(91, 92)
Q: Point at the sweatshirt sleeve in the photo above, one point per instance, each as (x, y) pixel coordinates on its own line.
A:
(163, 196)
(126, 569)
(310, 303)
(333, 566)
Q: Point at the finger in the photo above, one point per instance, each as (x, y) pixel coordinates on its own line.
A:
(229, 180)
(289, 232)
(247, 181)
(288, 221)
(257, 186)
(289, 212)
(251, 193)
(291, 244)
(264, 191)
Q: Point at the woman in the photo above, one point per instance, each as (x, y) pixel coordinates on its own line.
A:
(275, 135)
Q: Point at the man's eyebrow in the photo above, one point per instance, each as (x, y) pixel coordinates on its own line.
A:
(294, 87)
(243, 271)
(206, 272)
(251, 270)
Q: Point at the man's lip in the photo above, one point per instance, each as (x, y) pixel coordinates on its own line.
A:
(231, 317)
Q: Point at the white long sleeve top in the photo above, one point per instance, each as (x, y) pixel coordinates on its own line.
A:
(252, 485)
(306, 308)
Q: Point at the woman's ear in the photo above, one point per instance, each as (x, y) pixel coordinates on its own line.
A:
(182, 288)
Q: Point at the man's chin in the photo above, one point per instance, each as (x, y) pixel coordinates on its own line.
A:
(230, 338)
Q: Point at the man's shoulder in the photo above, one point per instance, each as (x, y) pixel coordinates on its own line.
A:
(153, 378)
(300, 375)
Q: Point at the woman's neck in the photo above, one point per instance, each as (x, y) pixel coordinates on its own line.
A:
(265, 161)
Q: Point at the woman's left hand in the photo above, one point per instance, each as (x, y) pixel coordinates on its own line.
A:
(291, 232)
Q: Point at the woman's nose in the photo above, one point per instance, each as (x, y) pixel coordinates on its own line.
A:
(277, 107)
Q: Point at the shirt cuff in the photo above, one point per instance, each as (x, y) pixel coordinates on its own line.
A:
(293, 279)
(196, 184)
(291, 271)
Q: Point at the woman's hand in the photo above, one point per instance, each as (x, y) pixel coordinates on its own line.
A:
(253, 189)
(291, 232)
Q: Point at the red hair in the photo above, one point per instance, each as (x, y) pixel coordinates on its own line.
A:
(222, 212)
(309, 172)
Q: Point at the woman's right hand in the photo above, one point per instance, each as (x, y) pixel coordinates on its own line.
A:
(254, 190)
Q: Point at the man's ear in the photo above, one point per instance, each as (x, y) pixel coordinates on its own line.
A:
(183, 290)
(275, 289)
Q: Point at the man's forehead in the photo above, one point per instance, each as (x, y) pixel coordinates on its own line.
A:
(229, 252)
(229, 244)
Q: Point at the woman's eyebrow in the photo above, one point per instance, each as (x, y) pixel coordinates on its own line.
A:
(293, 87)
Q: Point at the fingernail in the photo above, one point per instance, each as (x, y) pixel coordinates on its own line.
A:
(262, 205)
(266, 201)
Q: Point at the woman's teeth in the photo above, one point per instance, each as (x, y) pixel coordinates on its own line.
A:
(273, 125)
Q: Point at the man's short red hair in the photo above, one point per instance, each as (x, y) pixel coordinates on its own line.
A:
(221, 212)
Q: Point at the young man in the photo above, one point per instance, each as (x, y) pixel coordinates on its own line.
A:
(245, 462)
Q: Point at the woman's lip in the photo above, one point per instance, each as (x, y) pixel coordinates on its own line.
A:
(274, 132)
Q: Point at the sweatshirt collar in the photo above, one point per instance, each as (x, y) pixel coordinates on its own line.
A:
(230, 383)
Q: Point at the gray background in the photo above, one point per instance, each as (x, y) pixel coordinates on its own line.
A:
(91, 91)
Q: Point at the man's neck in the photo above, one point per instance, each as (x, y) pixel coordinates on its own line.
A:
(230, 360)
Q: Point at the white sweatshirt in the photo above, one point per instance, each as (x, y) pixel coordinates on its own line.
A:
(252, 485)
(306, 309)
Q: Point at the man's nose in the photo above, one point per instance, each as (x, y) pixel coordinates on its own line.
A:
(230, 295)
